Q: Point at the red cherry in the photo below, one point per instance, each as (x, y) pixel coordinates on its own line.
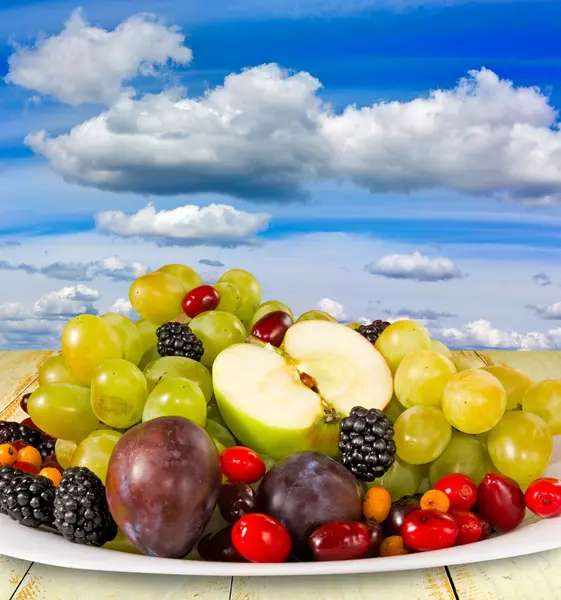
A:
(26, 467)
(426, 530)
(272, 327)
(340, 540)
(486, 529)
(543, 497)
(23, 402)
(460, 489)
(200, 300)
(471, 527)
(260, 538)
(242, 465)
(501, 502)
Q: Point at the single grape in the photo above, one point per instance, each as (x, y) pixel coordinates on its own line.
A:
(272, 327)
(220, 433)
(474, 401)
(148, 357)
(316, 315)
(148, 337)
(400, 339)
(64, 450)
(269, 307)
(63, 410)
(421, 434)
(95, 451)
(236, 500)
(54, 370)
(250, 290)
(199, 300)
(230, 297)
(421, 377)
(401, 479)
(189, 277)
(87, 341)
(119, 392)
(544, 399)
(157, 296)
(439, 346)
(514, 381)
(217, 330)
(176, 397)
(520, 446)
(168, 367)
(394, 409)
(129, 334)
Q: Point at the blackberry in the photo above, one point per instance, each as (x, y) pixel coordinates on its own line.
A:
(29, 500)
(81, 512)
(7, 474)
(177, 339)
(46, 448)
(366, 443)
(10, 431)
(372, 331)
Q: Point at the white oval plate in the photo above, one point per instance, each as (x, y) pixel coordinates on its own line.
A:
(532, 536)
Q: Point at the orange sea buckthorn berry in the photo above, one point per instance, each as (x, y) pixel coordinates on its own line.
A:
(377, 503)
(435, 500)
(393, 546)
(51, 473)
(31, 456)
(8, 455)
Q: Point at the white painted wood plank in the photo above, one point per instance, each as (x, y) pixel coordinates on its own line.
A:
(12, 571)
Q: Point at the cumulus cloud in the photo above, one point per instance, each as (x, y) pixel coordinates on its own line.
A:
(333, 308)
(419, 314)
(67, 302)
(211, 263)
(415, 266)
(213, 225)
(89, 64)
(551, 312)
(542, 279)
(123, 306)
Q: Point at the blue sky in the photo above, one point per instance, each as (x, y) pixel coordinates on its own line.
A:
(407, 163)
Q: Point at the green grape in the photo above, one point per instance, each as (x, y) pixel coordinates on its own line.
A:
(87, 341)
(400, 339)
(440, 347)
(64, 450)
(157, 296)
(514, 381)
(148, 337)
(268, 307)
(54, 370)
(217, 330)
(220, 447)
(189, 278)
(464, 454)
(354, 325)
(63, 410)
(394, 409)
(250, 290)
(168, 367)
(424, 486)
(176, 397)
(544, 399)
(129, 334)
(220, 433)
(213, 413)
(421, 377)
(474, 401)
(95, 451)
(230, 297)
(401, 479)
(316, 315)
(520, 446)
(421, 434)
(119, 392)
(148, 357)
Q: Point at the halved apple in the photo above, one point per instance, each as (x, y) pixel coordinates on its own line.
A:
(263, 399)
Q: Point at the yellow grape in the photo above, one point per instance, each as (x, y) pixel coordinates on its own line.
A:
(157, 296)
(441, 347)
(129, 334)
(64, 450)
(316, 315)
(514, 381)
(544, 399)
(250, 290)
(94, 452)
(55, 370)
(148, 337)
(168, 367)
(394, 409)
(400, 339)
(189, 278)
(230, 297)
(176, 397)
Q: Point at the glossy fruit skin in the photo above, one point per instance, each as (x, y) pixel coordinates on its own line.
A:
(486, 529)
(543, 497)
(272, 327)
(376, 532)
(399, 511)
(26, 467)
(200, 300)
(236, 500)
(23, 402)
(217, 547)
(460, 489)
(242, 465)
(501, 502)
(171, 462)
(340, 541)
(8, 455)
(471, 527)
(261, 539)
(306, 490)
(427, 530)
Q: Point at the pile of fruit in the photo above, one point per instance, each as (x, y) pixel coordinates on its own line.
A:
(219, 427)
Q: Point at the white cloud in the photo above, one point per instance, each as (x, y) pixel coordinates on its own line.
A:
(415, 266)
(420, 314)
(89, 64)
(216, 224)
(122, 306)
(67, 302)
(12, 311)
(551, 312)
(333, 308)
(542, 279)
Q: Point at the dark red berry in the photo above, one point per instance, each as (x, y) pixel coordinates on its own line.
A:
(340, 540)
(272, 327)
(501, 502)
(236, 500)
(200, 300)
(23, 402)
(426, 530)
(471, 527)
(217, 547)
(543, 497)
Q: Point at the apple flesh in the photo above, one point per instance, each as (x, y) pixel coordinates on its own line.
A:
(265, 398)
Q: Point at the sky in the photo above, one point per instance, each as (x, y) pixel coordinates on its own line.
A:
(371, 158)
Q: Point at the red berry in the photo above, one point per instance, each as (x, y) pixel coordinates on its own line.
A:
(23, 402)
(501, 502)
(426, 530)
(340, 540)
(26, 467)
(260, 538)
(471, 527)
(272, 327)
(486, 529)
(200, 300)
(543, 497)
(242, 465)
(460, 489)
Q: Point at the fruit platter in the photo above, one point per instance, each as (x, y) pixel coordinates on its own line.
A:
(219, 434)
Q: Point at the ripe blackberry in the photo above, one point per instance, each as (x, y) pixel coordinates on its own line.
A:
(372, 331)
(366, 443)
(47, 448)
(29, 500)
(7, 474)
(80, 509)
(177, 339)
(10, 431)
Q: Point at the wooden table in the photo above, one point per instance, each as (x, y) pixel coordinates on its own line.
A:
(536, 577)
